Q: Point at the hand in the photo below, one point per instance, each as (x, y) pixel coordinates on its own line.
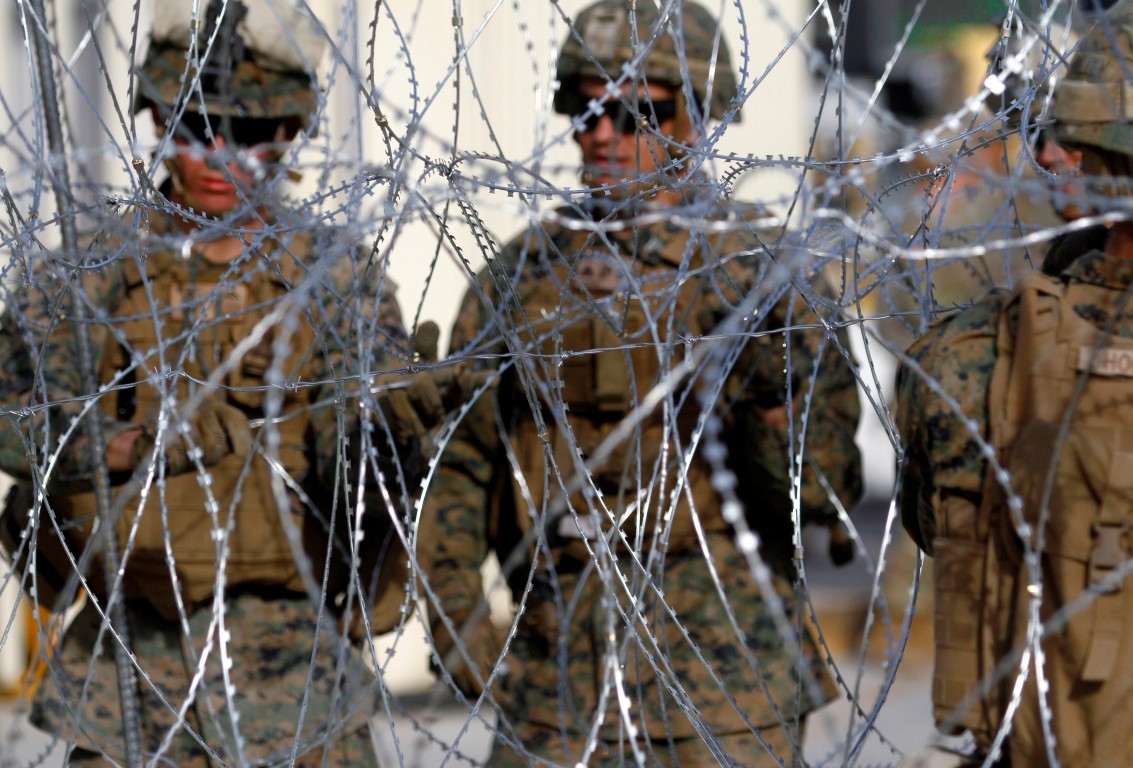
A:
(482, 644)
(215, 428)
(415, 403)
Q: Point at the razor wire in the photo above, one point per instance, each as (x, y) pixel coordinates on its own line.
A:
(427, 155)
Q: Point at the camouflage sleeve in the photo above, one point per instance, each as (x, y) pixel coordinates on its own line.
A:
(942, 417)
(916, 494)
(58, 424)
(454, 534)
(17, 380)
(794, 393)
(825, 409)
(360, 332)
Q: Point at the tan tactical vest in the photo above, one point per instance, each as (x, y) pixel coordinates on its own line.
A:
(198, 324)
(596, 348)
(1061, 420)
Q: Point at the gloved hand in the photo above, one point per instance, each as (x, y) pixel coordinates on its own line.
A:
(482, 643)
(415, 403)
(216, 428)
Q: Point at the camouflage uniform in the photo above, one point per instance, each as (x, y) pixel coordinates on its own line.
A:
(637, 334)
(946, 439)
(508, 491)
(1034, 379)
(274, 679)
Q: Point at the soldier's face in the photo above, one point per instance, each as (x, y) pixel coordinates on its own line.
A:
(1058, 160)
(206, 174)
(615, 147)
(205, 181)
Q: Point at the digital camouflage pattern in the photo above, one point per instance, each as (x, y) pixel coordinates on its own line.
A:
(1092, 105)
(273, 677)
(562, 294)
(944, 441)
(256, 92)
(603, 39)
(744, 750)
(945, 506)
(312, 297)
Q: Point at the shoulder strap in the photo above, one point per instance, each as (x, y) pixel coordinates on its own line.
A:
(1028, 329)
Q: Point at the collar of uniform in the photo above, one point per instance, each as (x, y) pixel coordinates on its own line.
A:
(638, 232)
(163, 246)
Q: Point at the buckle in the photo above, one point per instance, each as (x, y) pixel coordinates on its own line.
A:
(1107, 553)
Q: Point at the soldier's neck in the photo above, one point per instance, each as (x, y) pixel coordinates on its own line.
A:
(653, 199)
(226, 249)
(1120, 242)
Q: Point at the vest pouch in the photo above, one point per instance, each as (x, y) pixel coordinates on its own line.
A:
(958, 574)
(576, 371)
(617, 387)
(1061, 416)
(256, 550)
(1086, 527)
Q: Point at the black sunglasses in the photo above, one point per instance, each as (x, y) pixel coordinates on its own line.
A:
(626, 121)
(238, 131)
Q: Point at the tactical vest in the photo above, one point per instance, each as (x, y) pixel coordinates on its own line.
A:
(595, 348)
(197, 324)
(1061, 423)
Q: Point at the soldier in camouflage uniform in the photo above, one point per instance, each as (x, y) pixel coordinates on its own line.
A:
(959, 405)
(230, 340)
(640, 328)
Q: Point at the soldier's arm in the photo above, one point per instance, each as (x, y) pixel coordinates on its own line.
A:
(353, 311)
(917, 493)
(359, 333)
(942, 421)
(810, 354)
(16, 383)
(59, 393)
(453, 538)
(793, 386)
(831, 459)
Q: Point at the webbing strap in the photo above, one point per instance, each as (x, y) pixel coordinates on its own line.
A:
(1108, 553)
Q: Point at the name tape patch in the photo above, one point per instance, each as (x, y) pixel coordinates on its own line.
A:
(1107, 361)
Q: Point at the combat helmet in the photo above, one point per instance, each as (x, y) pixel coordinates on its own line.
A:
(1093, 105)
(1027, 86)
(247, 59)
(602, 41)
